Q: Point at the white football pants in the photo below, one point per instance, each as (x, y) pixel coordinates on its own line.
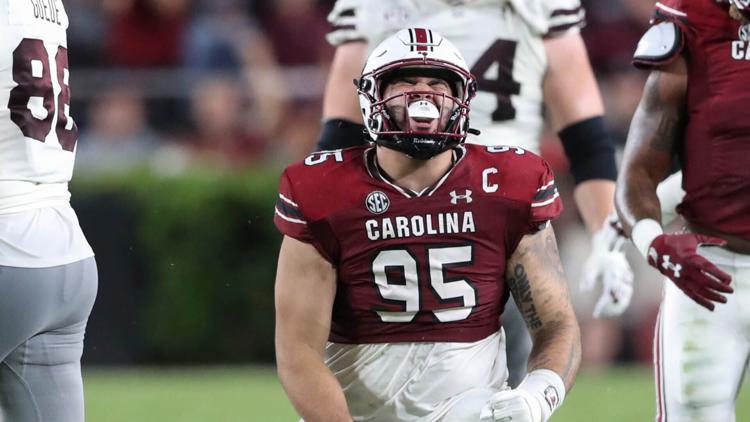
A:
(423, 382)
(700, 356)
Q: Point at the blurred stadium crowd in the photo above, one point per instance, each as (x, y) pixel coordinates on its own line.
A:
(227, 82)
(238, 83)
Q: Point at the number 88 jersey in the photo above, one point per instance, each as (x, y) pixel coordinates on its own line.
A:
(37, 134)
(501, 40)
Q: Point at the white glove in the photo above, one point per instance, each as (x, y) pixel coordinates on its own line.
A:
(608, 263)
(511, 405)
(540, 393)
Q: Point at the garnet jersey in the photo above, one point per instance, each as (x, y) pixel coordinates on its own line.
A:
(417, 266)
(37, 134)
(501, 40)
(716, 144)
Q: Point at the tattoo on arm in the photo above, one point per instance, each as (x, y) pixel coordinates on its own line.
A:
(542, 248)
(552, 255)
(571, 366)
(536, 279)
(519, 285)
(655, 136)
(659, 102)
(666, 133)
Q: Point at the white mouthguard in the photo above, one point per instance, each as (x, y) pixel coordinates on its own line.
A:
(423, 109)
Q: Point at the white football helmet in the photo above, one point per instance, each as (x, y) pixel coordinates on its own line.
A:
(416, 52)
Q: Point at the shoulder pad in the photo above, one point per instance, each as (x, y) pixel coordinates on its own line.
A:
(661, 44)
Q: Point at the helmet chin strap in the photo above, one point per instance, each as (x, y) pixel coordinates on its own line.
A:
(419, 148)
(422, 147)
(419, 110)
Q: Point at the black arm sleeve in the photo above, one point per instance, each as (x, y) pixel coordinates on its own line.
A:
(339, 133)
(590, 150)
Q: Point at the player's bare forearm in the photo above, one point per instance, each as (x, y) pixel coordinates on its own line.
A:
(572, 95)
(570, 90)
(654, 134)
(340, 100)
(304, 293)
(595, 200)
(536, 279)
(311, 387)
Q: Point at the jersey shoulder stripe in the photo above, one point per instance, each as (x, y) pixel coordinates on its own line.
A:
(564, 18)
(671, 8)
(546, 197)
(526, 177)
(289, 210)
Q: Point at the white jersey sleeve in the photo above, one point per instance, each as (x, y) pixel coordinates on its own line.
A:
(373, 20)
(551, 17)
(564, 16)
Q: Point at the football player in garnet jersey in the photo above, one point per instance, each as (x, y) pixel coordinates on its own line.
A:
(692, 108)
(398, 259)
(526, 55)
(48, 277)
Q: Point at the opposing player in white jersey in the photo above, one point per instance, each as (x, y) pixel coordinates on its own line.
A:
(48, 276)
(526, 54)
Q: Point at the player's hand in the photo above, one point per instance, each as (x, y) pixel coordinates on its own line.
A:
(676, 256)
(511, 406)
(607, 263)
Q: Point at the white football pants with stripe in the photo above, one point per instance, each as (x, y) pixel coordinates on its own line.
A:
(700, 356)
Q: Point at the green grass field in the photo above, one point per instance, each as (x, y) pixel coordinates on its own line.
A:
(237, 394)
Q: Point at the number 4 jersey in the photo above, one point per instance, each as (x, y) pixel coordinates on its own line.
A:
(37, 138)
(417, 266)
(501, 40)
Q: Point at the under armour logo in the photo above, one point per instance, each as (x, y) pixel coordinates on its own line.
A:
(456, 197)
(667, 265)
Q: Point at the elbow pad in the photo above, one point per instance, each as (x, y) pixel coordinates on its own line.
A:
(339, 133)
(590, 150)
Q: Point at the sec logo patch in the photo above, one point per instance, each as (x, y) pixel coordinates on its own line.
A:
(377, 202)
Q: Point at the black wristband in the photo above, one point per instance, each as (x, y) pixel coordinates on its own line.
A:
(590, 150)
(339, 133)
